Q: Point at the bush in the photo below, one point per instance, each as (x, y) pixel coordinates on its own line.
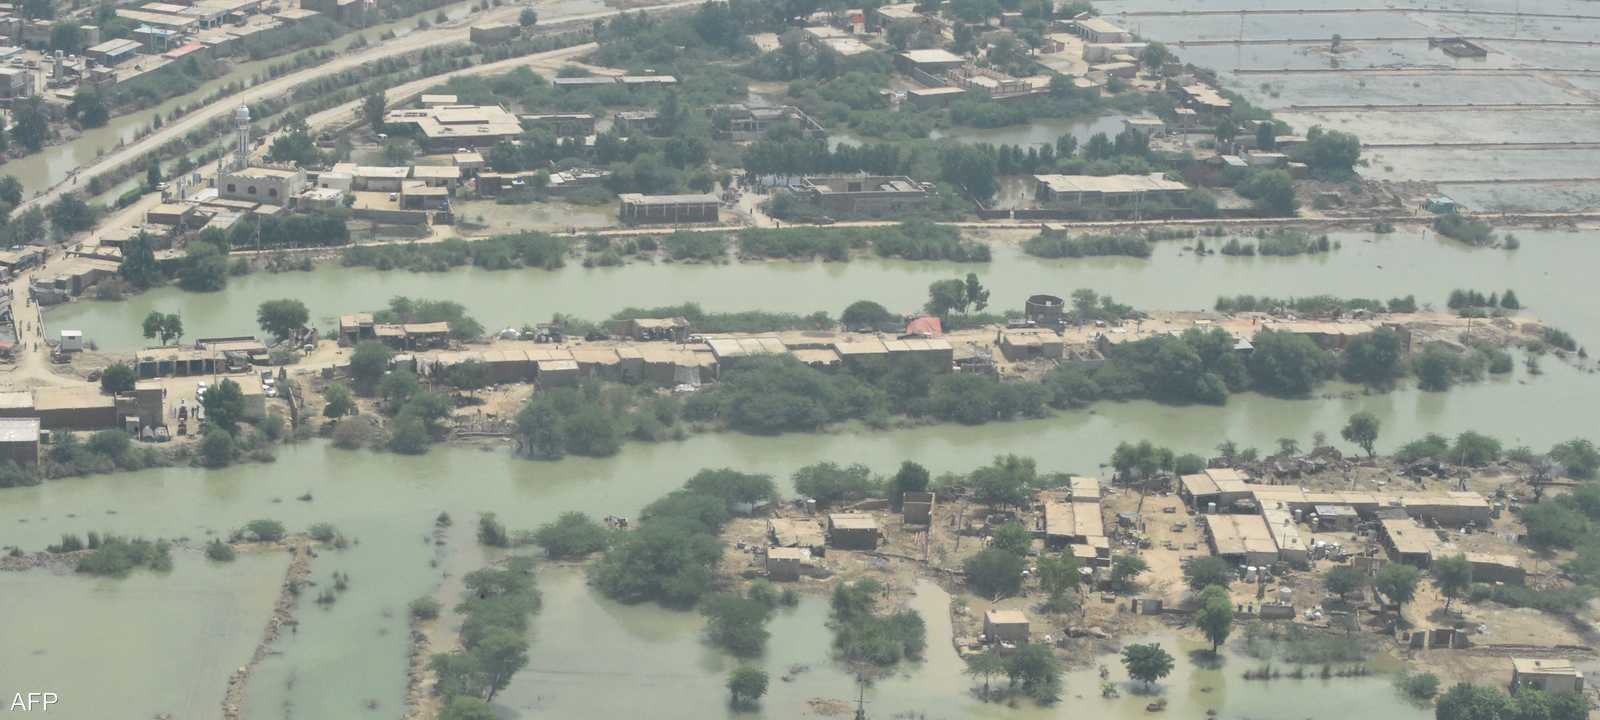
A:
(491, 532)
(323, 532)
(424, 608)
(1422, 686)
(264, 531)
(995, 573)
(573, 535)
(220, 551)
(117, 556)
(860, 634)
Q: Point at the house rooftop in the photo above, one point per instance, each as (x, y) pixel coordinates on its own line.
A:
(932, 55)
(852, 521)
(1005, 617)
(1544, 666)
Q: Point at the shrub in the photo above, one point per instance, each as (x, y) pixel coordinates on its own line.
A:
(424, 608)
(220, 551)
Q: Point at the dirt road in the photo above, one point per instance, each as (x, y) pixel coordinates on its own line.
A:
(417, 40)
(32, 365)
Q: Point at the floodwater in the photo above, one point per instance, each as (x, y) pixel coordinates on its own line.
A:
(1366, 265)
(136, 647)
(354, 652)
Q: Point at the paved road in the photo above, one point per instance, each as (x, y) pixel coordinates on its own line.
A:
(416, 40)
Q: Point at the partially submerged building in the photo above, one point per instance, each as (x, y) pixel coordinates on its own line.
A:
(784, 563)
(1106, 191)
(853, 531)
(640, 209)
(1552, 675)
(864, 194)
(1005, 626)
(19, 440)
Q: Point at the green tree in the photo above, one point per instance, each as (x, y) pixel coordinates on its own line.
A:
(1578, 457)
(70, 214)
(1343, 580)
(339, 401)
(30, 124)
(911, 477)
(946, 297)
(1266, 136)
(500, 653)
(1207, 571)
(139, 266)
(466, 707)
(1215, 616)
(118, 378)
(368, 362)
(152, 173)
(373, 107)
(282, 318)
(1038, 670)
(217, 449)
(1436, 369)
(1059, 574)
(1125, 570)
(1012, 537)
(986, 665)
(88, 107)
(1398, 582)
(1362, 429)
(224, 405)
(1272, 192)
(1453, 575)
(736, 624)
(1376, 358)
(995, 573)
(528, 18)
(746, 686)
(10, 190)
(865, 314)
(1287, 365)
(829, 483)
(66, 37)
(976, 294)
(205, 269)
(571, 536)
(1146, 663)
(1468, 702)
(1331, 153)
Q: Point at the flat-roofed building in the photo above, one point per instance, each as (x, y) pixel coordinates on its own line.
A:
(1083, 489)
(796, 533)
(1407, 541)
(273, 185)
(916, 508)
(1203, 98)
(744, 123)
(784, 563)
(16, 82)
(1067, 522)
(1552, 675)
(485, 33)
(74, 408)
(438, 99)
(853, 531)
(932, 63)
(864, 194)
(1030, 343)
(729, 350)
(1292, 547)
(934, 97)
(1007, 626)
(1453, 508)
(675, 329)
(1243, 539)
(1339, 518)
(443, 176)
(179, 23)
(1099, 30)
(448, 127)
(1492, 567)
(113, 52)
(177, 361)
(1106, 190)
(19, 440)
(640, 209)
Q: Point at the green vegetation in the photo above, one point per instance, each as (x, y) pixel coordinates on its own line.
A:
(494, 632)
(220, 551)
(714, 322)
(1280, 243)
(492, 532)
(746, 686)
(1471, 702)
(281, 318)
(1215, 616)
(995, 572)
(571, 536)
(406, 310)
(1464, 229)
(500, 252)
(736, 624)
(1362, 429)
(1398, 582)
(1206, 571)
(671, 558)
(423, 608)
(1059, 244)
(1420, 686)
(1146, 663)
(1453, 576)
(593, 421)
(911, 241)
(1314, 306)
(116, 556)
(863, 635)
(1343, 579)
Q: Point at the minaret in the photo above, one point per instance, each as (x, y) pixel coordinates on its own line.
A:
(241, 119)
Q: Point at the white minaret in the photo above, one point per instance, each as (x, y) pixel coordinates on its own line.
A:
(241, 119)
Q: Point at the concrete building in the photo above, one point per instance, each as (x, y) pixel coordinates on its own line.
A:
(1552, 675)
(932, 63)
(783, 563)
(113, 52)
(933, 97)
(852, 531)
(675, 329)
(1292, 546)
(19, 440)
(1099, 30)
(16, 82)
(1072, 523)
(445, 128)
(177, 361)
(1408, 542)
(1203, 99)
(864, 194)
(745, 123)
(796, 533)
(916, 508)
(493, 33)
(1337, 518)
(1244, 539)
(635, 122)
(1106, 191)
(74, 408)
(639, 209)
(271, 185)
(1005, 626)
(1030, 343)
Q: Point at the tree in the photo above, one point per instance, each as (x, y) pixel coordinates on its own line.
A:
(911, 477)
(205, 269)
(1271, 191)
(70, 214)
(736, 624)
(1398, 582)
(1287, 365)
(281, 318)
(976, 295)
(118, 378)
(1362, 429)
(30, 125)
(1376, 358)
(573, 535)
(1509, 300)
(1012, 537)
(500, 653)
(995, 573)
(1125, 570)
(466, 707)
(746, 686)
(1207, 571)
(1146, 663)
(829, 483)
(1155, 56)
(1039, 671)
(528, 18)
(368, 362)
(1331, 153)
(1469, 702)
(10, 190)
(152, 173)
(339, 401)
(166, 326)
(986, 665)
(224, 405)
(1453, 575)
(1266, 136)
(865, 314)
(1059, 574)
(1343, 580)
(947, 296)
(139, 262)
(1578, 457)
(88, 107)
(373, 108)
(217, 449)
(1215, 617)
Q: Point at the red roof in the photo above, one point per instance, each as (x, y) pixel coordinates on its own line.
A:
(182, 50)
(926, 325)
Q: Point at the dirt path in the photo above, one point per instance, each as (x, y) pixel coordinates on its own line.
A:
(32, 368)
(282, 614)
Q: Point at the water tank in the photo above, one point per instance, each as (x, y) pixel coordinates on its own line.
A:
(1286, 596)
(242, 115)
(1044, 309)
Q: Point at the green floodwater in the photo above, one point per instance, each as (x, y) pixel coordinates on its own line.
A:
(1367, 265)
(354, 652)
